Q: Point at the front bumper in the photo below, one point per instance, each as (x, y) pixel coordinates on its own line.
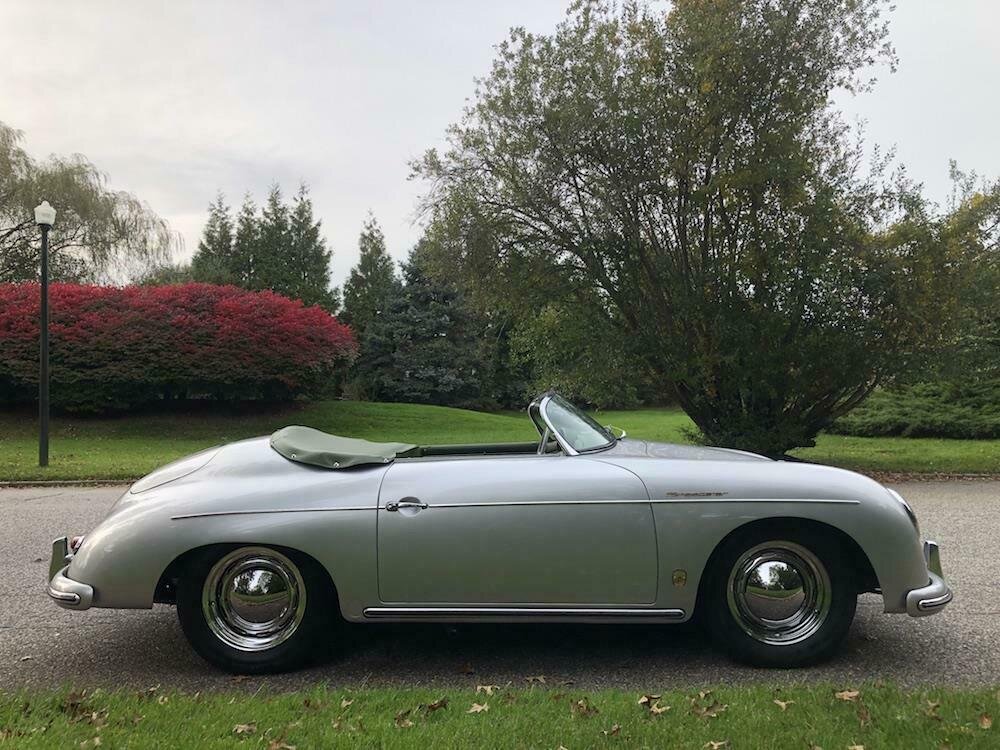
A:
(62, 589)
(935, 596)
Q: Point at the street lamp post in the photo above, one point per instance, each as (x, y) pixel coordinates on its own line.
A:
(45, 217)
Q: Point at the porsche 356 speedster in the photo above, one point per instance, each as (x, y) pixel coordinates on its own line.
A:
(266, 546)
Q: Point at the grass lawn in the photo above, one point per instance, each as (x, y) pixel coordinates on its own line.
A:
(551, 717)
(127, 447)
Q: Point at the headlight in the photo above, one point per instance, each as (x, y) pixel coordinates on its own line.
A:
(906, 506)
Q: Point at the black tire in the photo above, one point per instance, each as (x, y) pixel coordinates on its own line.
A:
(311, 618)
(736, 600)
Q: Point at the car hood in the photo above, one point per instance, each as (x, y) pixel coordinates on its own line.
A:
(632, 448)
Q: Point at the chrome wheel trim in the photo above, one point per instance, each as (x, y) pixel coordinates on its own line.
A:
(779, 593)
(253, 599)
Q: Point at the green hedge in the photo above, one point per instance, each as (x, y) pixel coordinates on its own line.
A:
(947, 410)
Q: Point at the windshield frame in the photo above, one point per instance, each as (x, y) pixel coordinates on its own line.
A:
(538, 409)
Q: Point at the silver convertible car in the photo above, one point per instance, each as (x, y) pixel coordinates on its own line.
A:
(267, 546)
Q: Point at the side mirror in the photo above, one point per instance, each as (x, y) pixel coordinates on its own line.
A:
(621, 433)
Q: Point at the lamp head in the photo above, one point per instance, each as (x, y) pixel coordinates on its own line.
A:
(45, 215)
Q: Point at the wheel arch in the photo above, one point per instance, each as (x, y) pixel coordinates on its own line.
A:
(864, 572)
(166, 586)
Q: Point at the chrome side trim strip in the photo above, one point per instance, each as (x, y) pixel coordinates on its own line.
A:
(668, 501)
(692, 498)
(403, 612)
(64, 596)
(510, 503)
(515, 503)
(209, 514)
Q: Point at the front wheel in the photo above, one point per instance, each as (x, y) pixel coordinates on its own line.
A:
(779, 597)
(254, 610)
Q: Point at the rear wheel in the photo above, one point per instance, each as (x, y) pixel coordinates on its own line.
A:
(779, 597)
(256, 609)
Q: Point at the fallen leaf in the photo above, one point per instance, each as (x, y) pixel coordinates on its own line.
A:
(656, 709)
(312, 704)
(245, 728)
(932, 710)
(814, 747)
(848, 695)
(985, 721)
(345, 703)
(488, 689)
(91, 743)
(716, 744)
(279, 744)
(855, 747)
(703, 694)
(478, 708)
(783, 705)
(615, 730)
(436, 705)
(709, 712)
(583, 707)
(402, 719)
(537, 679)
(163, 700)
(645, 700)
(864, 715)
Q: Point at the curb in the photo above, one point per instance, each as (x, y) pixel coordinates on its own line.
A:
(28, 483)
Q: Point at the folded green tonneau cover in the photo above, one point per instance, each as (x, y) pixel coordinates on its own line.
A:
(309, 446)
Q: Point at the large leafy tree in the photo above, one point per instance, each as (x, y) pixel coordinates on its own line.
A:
(100, 234)
(687, 170)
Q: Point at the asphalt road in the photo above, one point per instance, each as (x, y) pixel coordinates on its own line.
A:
(42, 645)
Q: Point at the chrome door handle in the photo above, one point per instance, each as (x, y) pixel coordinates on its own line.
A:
(406, 502)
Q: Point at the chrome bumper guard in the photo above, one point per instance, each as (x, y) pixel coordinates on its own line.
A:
(934, 597)
(62, 589)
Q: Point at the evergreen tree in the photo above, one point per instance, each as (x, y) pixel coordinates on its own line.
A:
(279, 248)
(273, 269)
(424, 347)
(245, 244)
(373, 281)
(310, 272)
(213, 261)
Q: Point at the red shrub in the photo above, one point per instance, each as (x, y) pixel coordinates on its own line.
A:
(112, 347)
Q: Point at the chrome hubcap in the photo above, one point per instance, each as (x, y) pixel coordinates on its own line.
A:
(779, 593)
(253, 599)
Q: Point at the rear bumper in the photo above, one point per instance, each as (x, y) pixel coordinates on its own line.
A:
(935, 596)
(62, 589)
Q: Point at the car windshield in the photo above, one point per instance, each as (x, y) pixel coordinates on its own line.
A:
(575, 427)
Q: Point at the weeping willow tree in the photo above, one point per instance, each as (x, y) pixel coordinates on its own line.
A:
(100, 235)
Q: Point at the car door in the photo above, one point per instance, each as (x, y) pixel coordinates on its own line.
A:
(515, 530)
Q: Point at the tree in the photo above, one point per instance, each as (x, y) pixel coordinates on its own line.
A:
(100, 234)
(687, 169)
(246, 246)
(282, 249)
(422, 348)
(373, 282)
(310, 278)
(213, 261)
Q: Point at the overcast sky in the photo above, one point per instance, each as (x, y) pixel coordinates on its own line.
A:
(176, 100)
